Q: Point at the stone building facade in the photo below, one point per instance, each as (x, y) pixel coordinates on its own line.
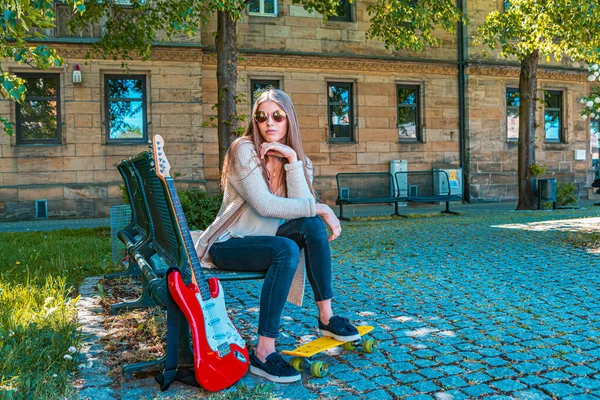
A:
(359, 107)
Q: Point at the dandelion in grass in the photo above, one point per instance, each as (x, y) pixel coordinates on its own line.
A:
(72, 349)
(67, 357)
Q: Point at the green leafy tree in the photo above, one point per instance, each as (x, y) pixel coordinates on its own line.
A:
(18, 23)
(528, 30)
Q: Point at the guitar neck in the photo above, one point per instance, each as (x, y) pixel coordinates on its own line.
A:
(188, 243)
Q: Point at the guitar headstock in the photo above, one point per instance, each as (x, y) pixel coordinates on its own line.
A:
(161, 163)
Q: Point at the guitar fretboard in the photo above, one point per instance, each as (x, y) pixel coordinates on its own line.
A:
(187, 241)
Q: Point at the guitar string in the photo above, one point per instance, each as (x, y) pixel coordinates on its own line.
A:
(185, 232)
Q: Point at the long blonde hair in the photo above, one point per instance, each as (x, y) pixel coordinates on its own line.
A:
(291, 139)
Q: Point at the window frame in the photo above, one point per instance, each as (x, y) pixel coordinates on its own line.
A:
(350, 104)
(349, 17)
(260, 81)
(106, 102)
(262, 13)
(18, 131)
(507, 90)
(561, 113)
(417, 106)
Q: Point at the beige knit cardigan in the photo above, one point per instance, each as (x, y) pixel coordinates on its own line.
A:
(247, 187)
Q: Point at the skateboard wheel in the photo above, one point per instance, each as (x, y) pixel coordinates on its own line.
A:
(319, 369)
(369, 345)
(296, 362)
(348, 346)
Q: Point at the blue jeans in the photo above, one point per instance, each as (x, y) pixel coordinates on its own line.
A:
(279, 255)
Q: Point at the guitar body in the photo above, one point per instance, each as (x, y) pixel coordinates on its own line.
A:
(220, 356)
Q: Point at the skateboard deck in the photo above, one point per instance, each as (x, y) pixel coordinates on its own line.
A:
(323, 343)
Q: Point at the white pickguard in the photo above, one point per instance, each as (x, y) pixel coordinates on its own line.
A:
(218, 327)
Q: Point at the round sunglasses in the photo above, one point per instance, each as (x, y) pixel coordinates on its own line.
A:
(262, 116)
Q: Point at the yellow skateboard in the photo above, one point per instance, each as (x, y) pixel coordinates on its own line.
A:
(302, 355)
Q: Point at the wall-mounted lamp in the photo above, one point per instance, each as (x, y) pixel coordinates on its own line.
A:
(76, 74)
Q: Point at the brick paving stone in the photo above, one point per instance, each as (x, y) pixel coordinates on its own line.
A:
(508, 385)
(489, 352)
(579, 370)
(420, 397)
(522, 356)
(451, 370)
(401, 391)
(554, 363)
(531, 394)
(576, 358)
(557, 376)
(529, 368)
(425, 387)
(378, 394)
(501, 372)
(449, 359)
(587, 345)
(374, 371)
(586, 383)
(478, 390)
(338, 368)
(349, 376)
(561, 390)
(476, 377)
(385, 381)
(582, 397)
(430, 373)
(473, 366)
(425, 363)
(452, 382)
(451, 395)
(542, 352)
(532, 380)
(401, 367)
(408, 378)
(495, 361)
(362, 385)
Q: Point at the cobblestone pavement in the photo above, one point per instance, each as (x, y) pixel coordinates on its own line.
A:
(487, 305)
(484, 305)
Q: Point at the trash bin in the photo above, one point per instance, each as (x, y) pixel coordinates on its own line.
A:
(547, 191)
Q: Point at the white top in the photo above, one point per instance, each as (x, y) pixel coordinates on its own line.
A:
(250, 223)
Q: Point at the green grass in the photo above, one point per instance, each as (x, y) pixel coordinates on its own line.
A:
(40, 273)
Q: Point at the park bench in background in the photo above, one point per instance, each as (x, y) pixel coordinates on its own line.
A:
(366, 188)
(162, 247)
(426, 187)
(406, 186)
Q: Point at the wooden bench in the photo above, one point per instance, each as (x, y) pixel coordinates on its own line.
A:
(162, 247)
(426, 187)
(366, 188)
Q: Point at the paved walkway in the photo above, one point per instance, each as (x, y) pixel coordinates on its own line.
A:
(489, 304)
(493, 303)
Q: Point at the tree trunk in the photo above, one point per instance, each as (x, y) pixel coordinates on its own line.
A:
(527, 94)
(227, 59)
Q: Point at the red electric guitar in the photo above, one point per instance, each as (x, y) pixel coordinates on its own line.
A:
(220, 355)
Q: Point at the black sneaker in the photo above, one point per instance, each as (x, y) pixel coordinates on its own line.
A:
(340, 329)
(275, 368)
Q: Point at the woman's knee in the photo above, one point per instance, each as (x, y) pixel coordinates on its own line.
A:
(287, 250)
(312, 226)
